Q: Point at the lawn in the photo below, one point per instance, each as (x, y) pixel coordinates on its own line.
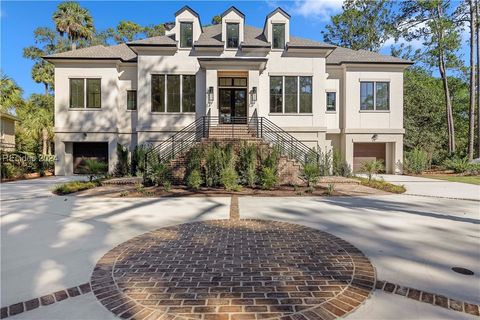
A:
(452, 178)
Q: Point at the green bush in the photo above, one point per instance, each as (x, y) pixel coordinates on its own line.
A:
(194, 180)
(213, 165)
(167, 186)
(268, 178)
(462, 166)
(416, 161)
(325, 164)
(161, 174)
(310, 173)
(330, 189)
(340, 167)
(371, 167)
(95, 169)
(229, 178)
(74, 186)
(247, 164)
(8, 170)
(137, 164)
(382, 185)
(122, 167)
(195, 157)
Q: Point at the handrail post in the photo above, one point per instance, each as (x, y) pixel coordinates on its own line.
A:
(261, 127)
(203, 126)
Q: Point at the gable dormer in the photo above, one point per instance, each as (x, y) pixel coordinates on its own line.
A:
(187, 28)
(233, 21)
(277, 28)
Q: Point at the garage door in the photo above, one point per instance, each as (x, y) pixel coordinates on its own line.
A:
(88, 150)
(366, 152)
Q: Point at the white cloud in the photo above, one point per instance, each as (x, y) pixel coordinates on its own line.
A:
(322, 9)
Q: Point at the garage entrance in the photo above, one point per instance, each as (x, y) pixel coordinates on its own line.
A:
(88, 150)
(367, 152)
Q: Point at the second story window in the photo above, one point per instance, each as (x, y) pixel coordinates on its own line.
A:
(374, 95)
(77, 93)
(131, 99)
(291, 94)
(232, 35)
(278, 36)
(92, 95)
(331, 101)
(186, 34)
(173, 93)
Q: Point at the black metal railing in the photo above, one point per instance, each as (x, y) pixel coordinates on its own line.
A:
(232, 128)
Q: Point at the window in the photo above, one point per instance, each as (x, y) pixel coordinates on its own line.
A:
(278, 32)
(77, 92)
(173, 93)
(188, 94)
(232, 35)
(186, 34)
(331, 101)
(131, 99)
(291, 94)
(374, 95)
(94, 93)
(158, 93)
(276, 94)
(232, 82)
(305, 94)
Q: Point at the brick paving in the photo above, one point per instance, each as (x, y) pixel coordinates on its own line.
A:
(233, 269)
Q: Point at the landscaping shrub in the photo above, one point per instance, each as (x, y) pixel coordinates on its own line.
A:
(371, 167)
(382, 185)
(213, 165)
(416, 161)
(325, 163)
(229, 178)
(195, 159)
(462, 166)
(310, 173)
(137, 164)
(268, 178)
(330, 189)
(161, 174)
(247, 164)
(340, 167)
(194, 180)
(271, 158)
(167, 186)
(7, 170)
(74, 186)
(95, 169)
(122, 167)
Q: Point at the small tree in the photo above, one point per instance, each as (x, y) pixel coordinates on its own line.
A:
(122, 167)
(371, 167)
(95, 169)
(310, 173)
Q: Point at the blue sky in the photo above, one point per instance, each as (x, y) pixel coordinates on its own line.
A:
(20, 18)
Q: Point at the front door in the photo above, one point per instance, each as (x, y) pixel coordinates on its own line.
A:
(233, 105)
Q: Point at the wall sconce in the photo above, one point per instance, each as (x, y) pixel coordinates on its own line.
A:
(210, 94)
(254, 94)
(84, 134)
(374, 137)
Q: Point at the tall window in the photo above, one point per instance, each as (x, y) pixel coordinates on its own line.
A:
(305, 94)
(186, 34)
(331, 101)
(158, 93)
(94, 93)
(173, 93)
(131, 99)
(188, 94)
(232, 35)
(291, 94)
(77, 92)
(374, 95)
(278, 32)
(276, 94)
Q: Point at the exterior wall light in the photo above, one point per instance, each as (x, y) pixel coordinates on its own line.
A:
(254, 94)
(374, 137)
(210, 94)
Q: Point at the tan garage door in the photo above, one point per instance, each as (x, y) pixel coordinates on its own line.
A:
(367, 151)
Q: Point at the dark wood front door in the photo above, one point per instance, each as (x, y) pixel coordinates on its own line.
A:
(233, 105)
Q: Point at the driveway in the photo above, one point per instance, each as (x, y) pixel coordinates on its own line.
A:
(435, 188)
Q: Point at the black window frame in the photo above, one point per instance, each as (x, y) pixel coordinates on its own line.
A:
(191, 96)
(165, 97)
(304, 95)
(300, 96)
(82, 104)
(162, 103)
(281, 44)
(188, 40)
(277, 95)
(374, 100)
(235, 45)
(95, 94)
(134, 100)
(334, 93)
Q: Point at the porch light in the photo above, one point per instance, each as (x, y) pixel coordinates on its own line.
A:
(254, 94)
(374, 137)
(210, 94)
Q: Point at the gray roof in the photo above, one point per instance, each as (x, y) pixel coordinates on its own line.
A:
(211, 36)
(116, 52)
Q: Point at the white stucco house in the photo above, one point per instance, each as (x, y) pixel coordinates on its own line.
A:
(146, 90)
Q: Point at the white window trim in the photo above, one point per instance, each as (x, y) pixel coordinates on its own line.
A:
(375, 97)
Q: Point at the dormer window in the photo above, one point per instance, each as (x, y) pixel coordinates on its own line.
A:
(278, 35)
(232, 35)
(186, 34)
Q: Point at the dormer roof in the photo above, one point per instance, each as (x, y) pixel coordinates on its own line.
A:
(189, 10)
(271, 14)
(232, 8)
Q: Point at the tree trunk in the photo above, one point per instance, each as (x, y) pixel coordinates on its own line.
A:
(44, 140)
(477, 6)
(46, 88)
(471, 113)
(74, 45)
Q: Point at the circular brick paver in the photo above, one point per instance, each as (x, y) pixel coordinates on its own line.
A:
(233, 269)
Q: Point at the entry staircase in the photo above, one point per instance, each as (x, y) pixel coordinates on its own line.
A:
(211, 129)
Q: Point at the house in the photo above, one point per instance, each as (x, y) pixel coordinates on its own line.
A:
(145, 91)
(7, 131)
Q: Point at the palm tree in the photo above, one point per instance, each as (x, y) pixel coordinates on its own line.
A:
(11, 93)
(74, 21)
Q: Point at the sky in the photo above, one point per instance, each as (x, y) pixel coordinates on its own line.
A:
(20, 18)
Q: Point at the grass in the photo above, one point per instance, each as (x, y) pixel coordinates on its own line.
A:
(452, 178)
(74, 186)
(382, 185)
